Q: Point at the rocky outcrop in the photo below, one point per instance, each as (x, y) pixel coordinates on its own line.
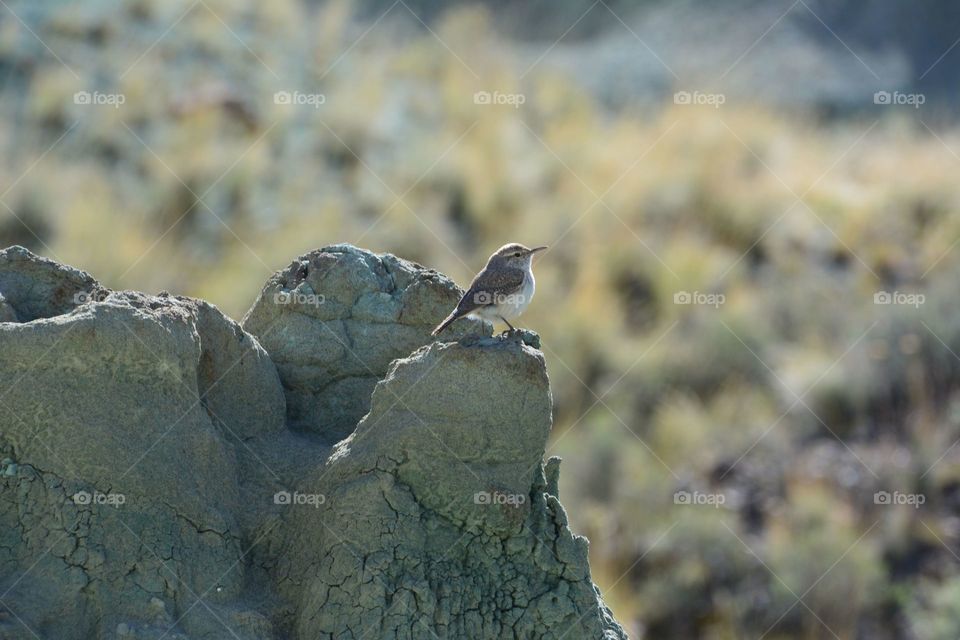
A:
(437, 519)
(121, 416)
(154, 483)
(335, 319)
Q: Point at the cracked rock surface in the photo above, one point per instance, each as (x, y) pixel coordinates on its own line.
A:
(438, 520)
(164, 473)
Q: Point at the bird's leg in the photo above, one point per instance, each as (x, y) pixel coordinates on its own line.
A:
(511, 330)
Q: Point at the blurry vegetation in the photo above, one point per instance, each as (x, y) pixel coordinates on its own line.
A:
(935, 611)
(796, 399)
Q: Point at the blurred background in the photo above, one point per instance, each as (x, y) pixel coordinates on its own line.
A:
(749, 307)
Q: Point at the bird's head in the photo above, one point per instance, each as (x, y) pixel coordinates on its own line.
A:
(513, 255)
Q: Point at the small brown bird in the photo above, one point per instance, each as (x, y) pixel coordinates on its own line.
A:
(503, 289)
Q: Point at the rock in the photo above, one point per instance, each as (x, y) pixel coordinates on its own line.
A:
(127, 415)
(436, 520)
(184, 383)
(151, 486)
(32, 287)
(232, 360)
(335, 319)
(7, 312)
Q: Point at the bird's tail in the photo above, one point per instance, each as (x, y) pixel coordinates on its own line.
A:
(446, 323)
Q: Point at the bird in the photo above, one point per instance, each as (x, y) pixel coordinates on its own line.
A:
(502, 289)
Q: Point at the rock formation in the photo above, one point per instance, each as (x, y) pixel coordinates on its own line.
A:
(335, 319)
(325, 471)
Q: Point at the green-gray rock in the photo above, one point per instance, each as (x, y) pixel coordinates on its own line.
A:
(335, 319)
(436, 520)
(152, 485)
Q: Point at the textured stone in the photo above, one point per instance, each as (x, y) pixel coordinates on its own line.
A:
(122, 416)
(32, 287)
(437, 521)
(335, 319)
(151, 486)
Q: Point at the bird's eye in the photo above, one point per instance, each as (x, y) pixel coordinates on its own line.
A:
(516, 254)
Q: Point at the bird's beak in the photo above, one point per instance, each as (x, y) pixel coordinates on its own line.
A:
(535, 249)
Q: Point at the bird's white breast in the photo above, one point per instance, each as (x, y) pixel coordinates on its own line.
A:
(515, 304)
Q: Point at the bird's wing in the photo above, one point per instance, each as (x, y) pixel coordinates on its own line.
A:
(488, 286)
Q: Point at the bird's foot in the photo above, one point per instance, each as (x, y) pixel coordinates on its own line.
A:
(524, 336)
